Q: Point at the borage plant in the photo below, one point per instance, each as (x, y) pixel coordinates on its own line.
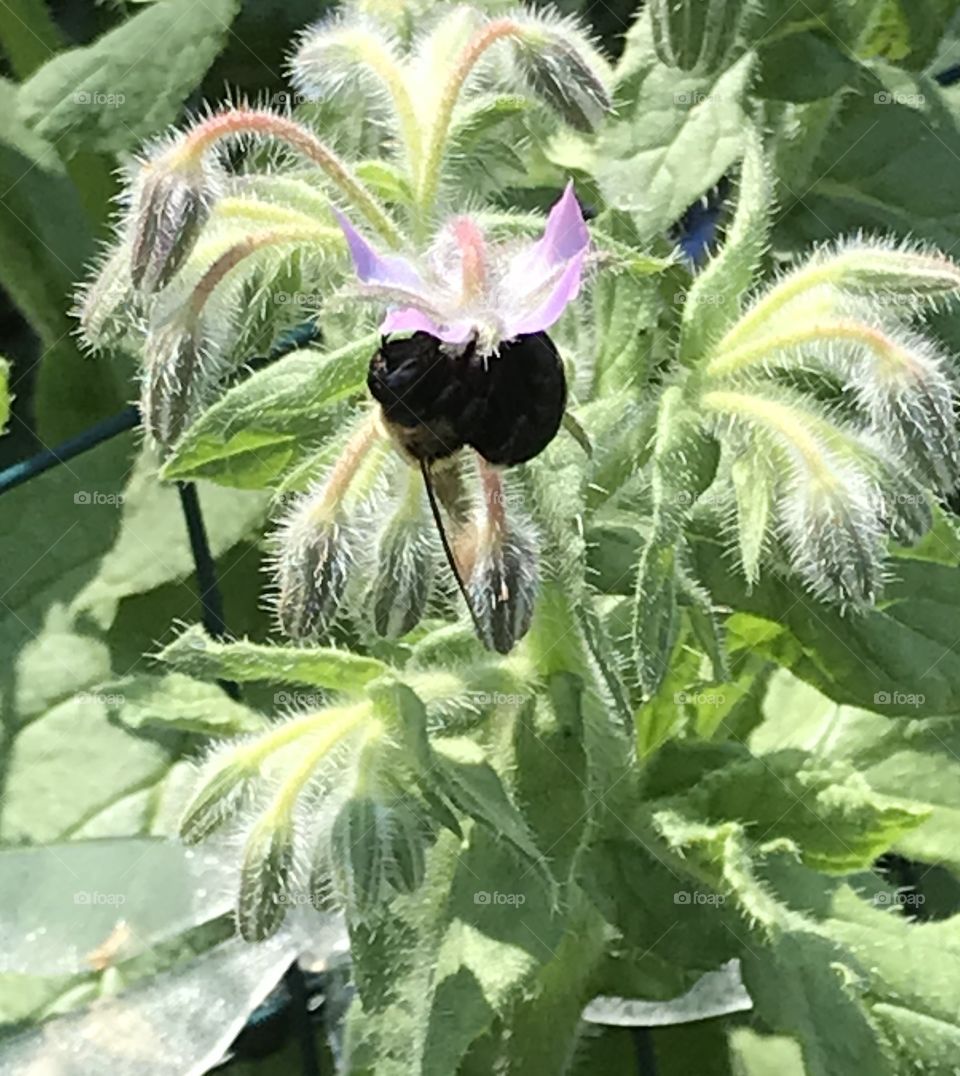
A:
(546, 804)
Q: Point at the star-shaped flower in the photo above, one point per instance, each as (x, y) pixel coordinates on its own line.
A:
(466, 288)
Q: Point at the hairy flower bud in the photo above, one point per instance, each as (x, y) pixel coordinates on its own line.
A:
(403, 577)
(831, 526)
(561, 75)
(173, 376)
(265, 877)
(312, 575)
(375, 850)
(171, 208)
(217, 801)
(497, 554)
(314, 545)
(694, 34)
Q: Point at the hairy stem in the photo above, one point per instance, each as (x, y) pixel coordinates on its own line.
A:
(345, 470)
(243, 249)
(844, 331)
(488, 35)
(240, 121)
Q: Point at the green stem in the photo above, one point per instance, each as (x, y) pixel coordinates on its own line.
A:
(331, 725)
(259, 121)
(440, 129)
(326, 739)
(242, 250)
(741, 358)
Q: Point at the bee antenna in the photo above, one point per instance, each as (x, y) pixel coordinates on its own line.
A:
(448, 552)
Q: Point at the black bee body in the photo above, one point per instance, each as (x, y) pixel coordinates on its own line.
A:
(436, 398)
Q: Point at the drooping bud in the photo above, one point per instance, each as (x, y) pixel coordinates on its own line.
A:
(375, 850)
(694, 34)
(564, 76)
(832, 529)
(312, 564)
(829, 500)
(170, 209)
(906, 511)
(173, 376)
(104, 304)
(265, 877)
(217, 802)
(405, 565)
(314, 547)
(498, 559)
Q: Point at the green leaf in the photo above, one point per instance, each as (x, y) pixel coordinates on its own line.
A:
(675, 138)
(441, 965)
(131, 82)
(195, 653)
(46, 239)
(805, 67)
(828, 811)
(270, 422)
(656, 622)
(57, 779)
(152, 547)
(463, 774)
(58, 722)
(179, 703)
(625, 308)
(897, 659)
(28, 35)
(916, 763)
(684, 463)
(715, 298)
(877, 166)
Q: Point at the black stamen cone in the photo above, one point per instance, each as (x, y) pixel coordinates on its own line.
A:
(507, 406)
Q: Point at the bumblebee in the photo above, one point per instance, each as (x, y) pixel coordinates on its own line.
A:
(437, 397)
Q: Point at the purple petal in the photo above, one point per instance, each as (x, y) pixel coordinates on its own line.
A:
(544, 314)
(413, 320)
(564, 237)
(566, 233)
(372, 268)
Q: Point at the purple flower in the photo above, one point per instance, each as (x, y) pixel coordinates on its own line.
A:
(465, 288)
